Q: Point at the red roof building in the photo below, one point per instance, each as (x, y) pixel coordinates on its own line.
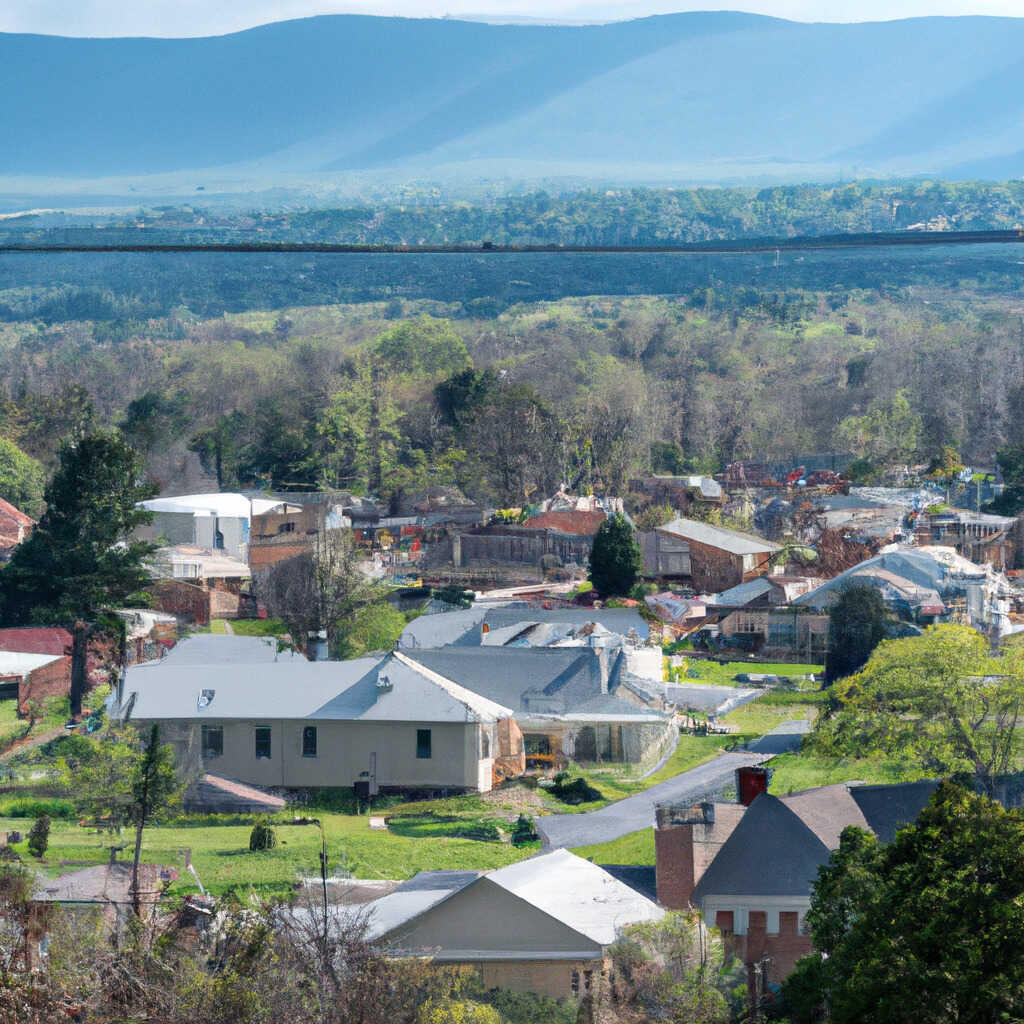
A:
(584, 524)
(15, 526)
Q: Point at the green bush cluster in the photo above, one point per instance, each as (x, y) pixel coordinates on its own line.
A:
(28, 807)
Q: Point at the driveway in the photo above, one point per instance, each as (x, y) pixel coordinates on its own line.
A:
(783, 738)
(637, 812)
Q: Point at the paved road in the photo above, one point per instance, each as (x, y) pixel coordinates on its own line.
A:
(637, 812)
(783, 738)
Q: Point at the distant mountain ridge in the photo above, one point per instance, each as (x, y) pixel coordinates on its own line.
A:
(719, 95)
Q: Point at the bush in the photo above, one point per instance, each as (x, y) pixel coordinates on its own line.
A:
(523, 831)
(38, 808)
(263, 836)
(72, 747)
(39, 836)
(579, 791)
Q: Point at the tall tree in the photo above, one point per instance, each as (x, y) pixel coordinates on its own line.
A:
(615, 561)
(927, 929)
(856, 626)
(81, 560)
(938, 700)
(21, 479)
(153, 786)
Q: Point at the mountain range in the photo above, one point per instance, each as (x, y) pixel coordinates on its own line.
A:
(696, 97)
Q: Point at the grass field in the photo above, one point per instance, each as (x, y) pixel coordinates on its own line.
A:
(221, 856)
(616, 781)
(794, 772)
(716, 674)
(757, 717)
(634, 848)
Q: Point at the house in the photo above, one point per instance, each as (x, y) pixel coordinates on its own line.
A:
(234, 707)
(213, 522)
(543, 925)
(713, 558)
(15, 526)
(294, 527)
(781, 632)
(35, 663)
(680, 492)
(773, 590)
(749, 866)
(983, 538)
(196, 584)
(567, 701)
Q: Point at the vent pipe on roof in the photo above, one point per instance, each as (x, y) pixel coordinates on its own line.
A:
(316, 649)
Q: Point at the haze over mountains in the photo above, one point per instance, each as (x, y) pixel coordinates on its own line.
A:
(690, 97)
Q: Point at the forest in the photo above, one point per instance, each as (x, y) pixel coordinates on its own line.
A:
(507, 401)
(424, 215)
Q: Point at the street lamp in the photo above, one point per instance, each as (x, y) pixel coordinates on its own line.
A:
(323, 862)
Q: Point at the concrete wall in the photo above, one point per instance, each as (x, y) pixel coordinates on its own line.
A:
(517, 545)
(343, 751)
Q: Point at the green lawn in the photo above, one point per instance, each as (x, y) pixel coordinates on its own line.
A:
(56, 711)
(634, 848)
(258, 627)
(721, 674)
(617, 781)
(218, 627)
(794, 772)
(221, 854)
(758, 717)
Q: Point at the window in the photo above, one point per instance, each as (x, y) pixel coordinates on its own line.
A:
(213, 741)
(309, 741)
(574, 983)
(262, 733)
(423, 743)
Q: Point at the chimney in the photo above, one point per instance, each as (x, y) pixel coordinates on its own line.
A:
(751, 782)
(317, 646)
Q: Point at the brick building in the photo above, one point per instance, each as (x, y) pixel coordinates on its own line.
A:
(749, 867)
(15, 526)
(196, 585)
(713, 558)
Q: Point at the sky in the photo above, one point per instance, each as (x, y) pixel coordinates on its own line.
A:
(200, 17)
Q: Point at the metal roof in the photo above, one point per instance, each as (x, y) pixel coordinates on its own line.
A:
(302, 690)
(17, 663)
(213, 504)
(720, 537)
(568, 888)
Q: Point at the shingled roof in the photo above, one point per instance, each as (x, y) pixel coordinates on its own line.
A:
(771, 852)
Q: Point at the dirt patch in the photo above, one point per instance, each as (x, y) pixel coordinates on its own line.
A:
(513, 799)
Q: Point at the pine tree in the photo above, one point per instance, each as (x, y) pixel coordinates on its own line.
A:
(615, 561)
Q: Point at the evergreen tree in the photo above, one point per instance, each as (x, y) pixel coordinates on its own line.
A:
(615, 561)
(928, 928)
(80, 558)
(39, 836)
(856, 627)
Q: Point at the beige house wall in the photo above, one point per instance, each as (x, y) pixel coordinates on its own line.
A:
(551, 978)
(343, 751)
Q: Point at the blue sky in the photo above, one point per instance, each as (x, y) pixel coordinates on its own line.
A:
(200, 17)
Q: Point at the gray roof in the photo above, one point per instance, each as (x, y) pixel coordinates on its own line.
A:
(733, 541)
(616, 620)
(510, 675)
(440, 630)
(742, 594)
(771, 852)
(300, 689)
(917, 566)
(890, 808)
(214, 649)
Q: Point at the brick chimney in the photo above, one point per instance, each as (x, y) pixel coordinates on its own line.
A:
(676, 866)
(751, 782)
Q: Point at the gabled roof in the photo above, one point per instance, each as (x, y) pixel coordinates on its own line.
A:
(36, 640)
(887, 809)
(742, 594)
(720, 537)
(567, 888)
(509, 675)
(297, 689)
(220, 649)
(15, 663)
(771, 852)
(8, 511)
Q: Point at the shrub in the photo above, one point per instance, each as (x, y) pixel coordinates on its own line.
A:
(39, 836)
(37, 808)
(523, 831)
(579, 791)
(263, 836)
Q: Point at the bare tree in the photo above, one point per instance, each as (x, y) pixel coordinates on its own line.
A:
(321, 589)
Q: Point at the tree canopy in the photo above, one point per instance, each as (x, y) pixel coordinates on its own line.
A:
(21, 479)
(856, 626)
(928, 928)
(939, 700)
(615, 561)
(80, 559)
